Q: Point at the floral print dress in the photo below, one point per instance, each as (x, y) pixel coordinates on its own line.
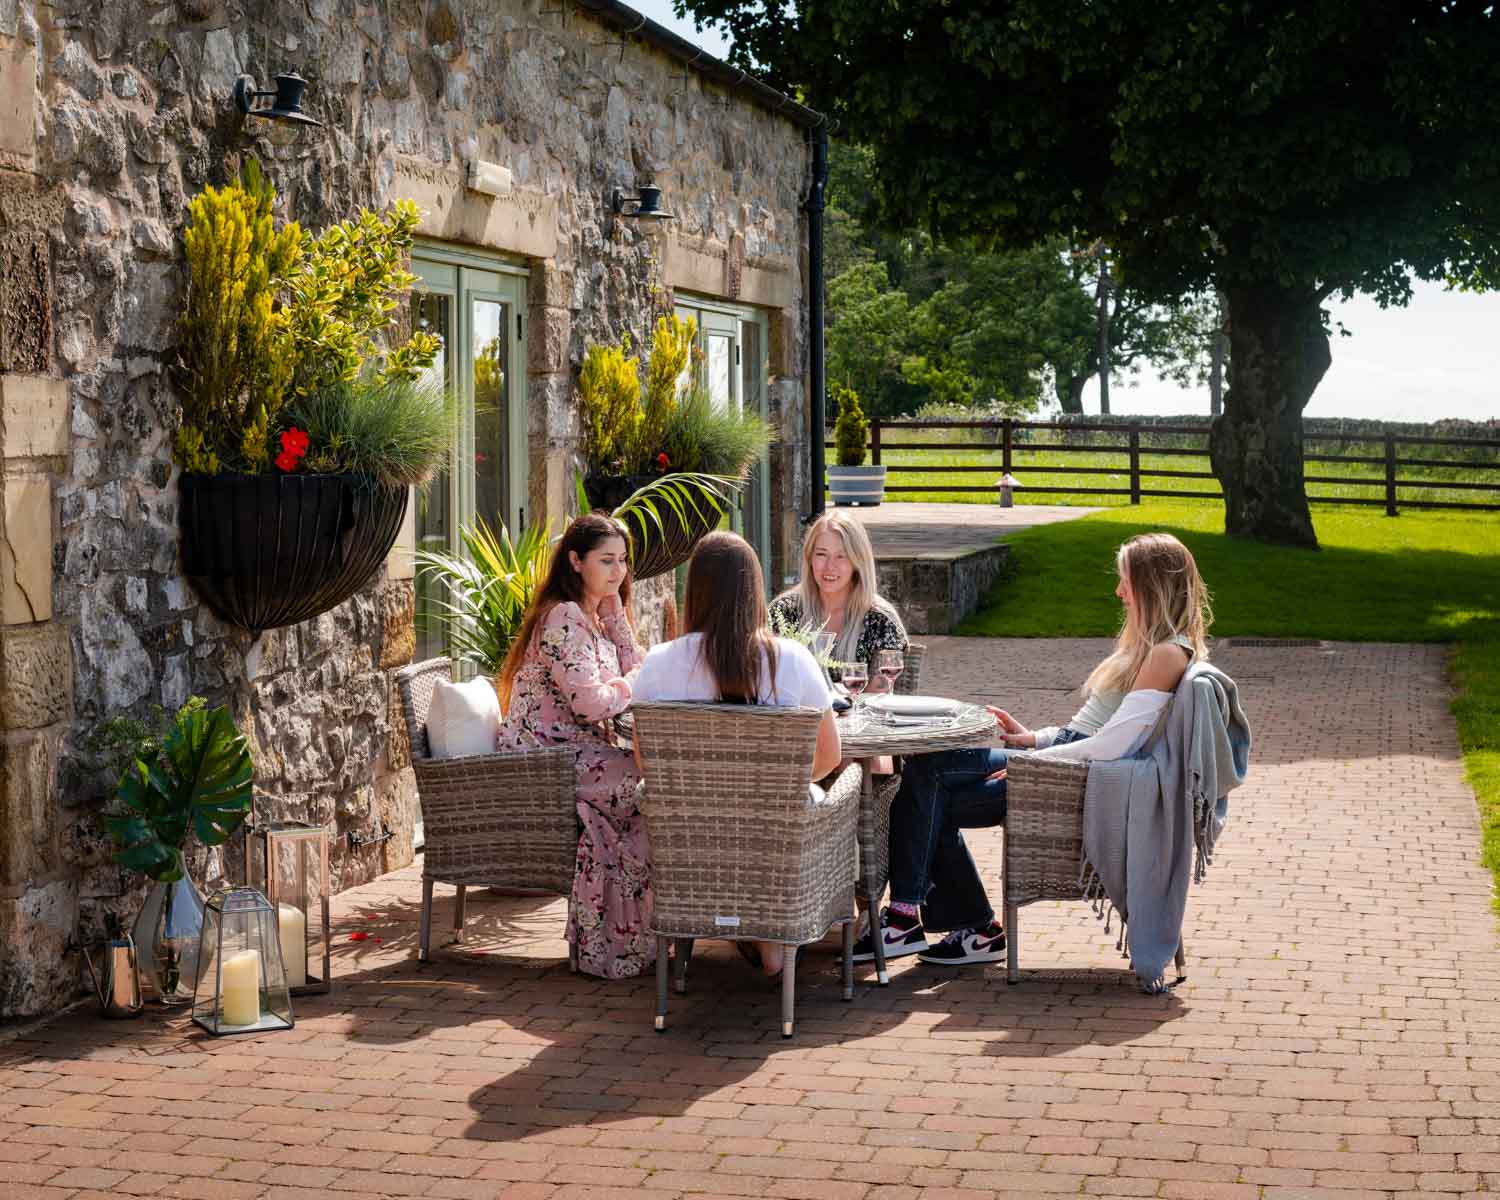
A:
(575, 679)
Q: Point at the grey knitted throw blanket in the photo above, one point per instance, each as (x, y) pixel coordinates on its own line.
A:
(1144, 817)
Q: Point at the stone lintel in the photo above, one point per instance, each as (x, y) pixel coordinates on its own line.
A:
(712, 268)
(521, 223)
(33, 416)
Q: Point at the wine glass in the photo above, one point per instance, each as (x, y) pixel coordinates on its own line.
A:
(890, 664)
(855, 677)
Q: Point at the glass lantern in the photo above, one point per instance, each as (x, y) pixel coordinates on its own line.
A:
(294, 877)
(241, 982)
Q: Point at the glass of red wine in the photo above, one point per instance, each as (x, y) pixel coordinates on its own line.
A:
(854, 679)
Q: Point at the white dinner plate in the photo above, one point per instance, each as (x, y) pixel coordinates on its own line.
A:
(914, 706)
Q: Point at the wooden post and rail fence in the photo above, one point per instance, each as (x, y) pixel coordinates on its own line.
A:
(1008, 447)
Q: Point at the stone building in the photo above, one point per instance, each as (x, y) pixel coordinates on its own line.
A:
(112, 116)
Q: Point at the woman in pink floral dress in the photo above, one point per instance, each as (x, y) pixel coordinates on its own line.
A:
(569, 673)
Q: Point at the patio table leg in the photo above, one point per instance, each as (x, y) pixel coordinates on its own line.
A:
(848, 960)
(661, 983)
(877, 940)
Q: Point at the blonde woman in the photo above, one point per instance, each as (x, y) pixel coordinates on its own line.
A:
(934, 884)
(837, 593)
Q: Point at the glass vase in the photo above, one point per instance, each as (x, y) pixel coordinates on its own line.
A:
(166, 937)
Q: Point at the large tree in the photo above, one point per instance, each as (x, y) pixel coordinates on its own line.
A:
(1279, 150)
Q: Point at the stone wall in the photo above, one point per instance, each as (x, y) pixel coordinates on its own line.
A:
(111, 117)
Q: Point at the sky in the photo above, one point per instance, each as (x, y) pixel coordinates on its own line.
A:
(1437, 357)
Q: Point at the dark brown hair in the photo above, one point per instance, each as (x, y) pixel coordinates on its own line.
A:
(562, 584)
(725, 602)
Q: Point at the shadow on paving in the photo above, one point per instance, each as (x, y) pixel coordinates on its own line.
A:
(563, 1050)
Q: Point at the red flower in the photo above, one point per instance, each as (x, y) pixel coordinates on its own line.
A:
(293, 447)
(662, 461)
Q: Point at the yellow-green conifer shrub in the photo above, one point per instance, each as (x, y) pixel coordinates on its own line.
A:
(236, 359)
(610, 386)
(671, 347)
(851, 429)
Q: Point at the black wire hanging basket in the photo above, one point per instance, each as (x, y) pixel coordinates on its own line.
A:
(264, 551)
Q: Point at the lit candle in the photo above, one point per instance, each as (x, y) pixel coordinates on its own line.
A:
(240, 983)
(292, 922)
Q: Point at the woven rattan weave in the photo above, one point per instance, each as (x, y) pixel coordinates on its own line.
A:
(741, 847)
(489, 819)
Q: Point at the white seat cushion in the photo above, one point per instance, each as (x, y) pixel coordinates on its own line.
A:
(462, 719)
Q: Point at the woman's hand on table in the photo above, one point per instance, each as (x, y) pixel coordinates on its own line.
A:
(1012, 732)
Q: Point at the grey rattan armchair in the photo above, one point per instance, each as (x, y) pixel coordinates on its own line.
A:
(1043, 842)
(509, 819)
(739, 847)
(875, 818)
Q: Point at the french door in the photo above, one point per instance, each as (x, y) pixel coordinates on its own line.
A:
(476, 304)
(732, 369)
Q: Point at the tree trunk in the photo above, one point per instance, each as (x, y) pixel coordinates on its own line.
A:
(1102, 295)
(1217, 354)
(1070, 392)
(1278, 352)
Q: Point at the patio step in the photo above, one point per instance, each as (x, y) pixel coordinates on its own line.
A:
(934, 590)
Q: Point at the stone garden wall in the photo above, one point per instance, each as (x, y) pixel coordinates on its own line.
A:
(111, 117)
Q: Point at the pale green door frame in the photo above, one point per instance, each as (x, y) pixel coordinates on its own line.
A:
(733, 366)
(477, 304)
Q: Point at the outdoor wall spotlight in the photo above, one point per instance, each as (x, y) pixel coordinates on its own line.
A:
(647, 205)
(287, 102)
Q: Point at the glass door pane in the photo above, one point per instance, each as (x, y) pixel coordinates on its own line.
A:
(432, 312)
(489, 324)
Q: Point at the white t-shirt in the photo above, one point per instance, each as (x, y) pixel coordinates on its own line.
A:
(676, 671)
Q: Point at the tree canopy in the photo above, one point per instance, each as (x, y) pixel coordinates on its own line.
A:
(1279, 151)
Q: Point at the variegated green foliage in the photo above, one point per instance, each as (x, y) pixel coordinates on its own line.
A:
(484, 592)
(667, 516)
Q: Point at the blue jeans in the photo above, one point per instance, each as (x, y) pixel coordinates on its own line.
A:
(941, 795)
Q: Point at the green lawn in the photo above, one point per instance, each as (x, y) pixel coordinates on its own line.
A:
(1419, 577)
(1039, 469)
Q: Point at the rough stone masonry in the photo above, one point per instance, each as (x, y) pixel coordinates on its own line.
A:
(111, 117)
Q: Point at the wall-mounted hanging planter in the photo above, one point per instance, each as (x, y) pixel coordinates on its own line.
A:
(270, 550)
(684, 512)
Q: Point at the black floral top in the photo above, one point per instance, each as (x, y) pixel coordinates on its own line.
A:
(882, 628)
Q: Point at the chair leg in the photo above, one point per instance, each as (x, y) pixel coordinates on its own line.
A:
(662, 968)
(788, 990)
(573, 957)
(1181, 961)
(684, 953)
(426, 938)
(848, 960)
(459, 905)
(1012, 956)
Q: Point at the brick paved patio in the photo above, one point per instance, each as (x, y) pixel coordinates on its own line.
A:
(1339, 1034)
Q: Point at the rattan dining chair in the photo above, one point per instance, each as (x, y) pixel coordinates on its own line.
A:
(742, 847)
(1043, 850)
(507, 819)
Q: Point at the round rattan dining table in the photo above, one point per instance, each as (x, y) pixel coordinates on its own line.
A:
(866, 736)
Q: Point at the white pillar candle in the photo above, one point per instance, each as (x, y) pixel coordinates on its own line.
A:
(240, 988)
(292, 922)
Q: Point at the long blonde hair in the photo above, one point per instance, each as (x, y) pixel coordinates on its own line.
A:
(1169, 600)
(862, 594)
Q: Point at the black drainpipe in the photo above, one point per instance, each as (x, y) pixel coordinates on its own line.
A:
(817, 382)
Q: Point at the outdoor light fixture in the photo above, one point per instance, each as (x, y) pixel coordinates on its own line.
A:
(647, 205)
(287, 102)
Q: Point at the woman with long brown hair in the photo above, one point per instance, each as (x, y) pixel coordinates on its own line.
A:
(728, 655)
(570, 670)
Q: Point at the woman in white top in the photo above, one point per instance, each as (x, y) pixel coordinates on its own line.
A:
(934, 884)
(729, 656)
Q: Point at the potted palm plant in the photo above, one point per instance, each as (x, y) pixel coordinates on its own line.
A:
(193, 778)
(851, 481)
(300, 430)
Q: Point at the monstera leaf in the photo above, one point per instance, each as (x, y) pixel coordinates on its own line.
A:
(200, 781)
